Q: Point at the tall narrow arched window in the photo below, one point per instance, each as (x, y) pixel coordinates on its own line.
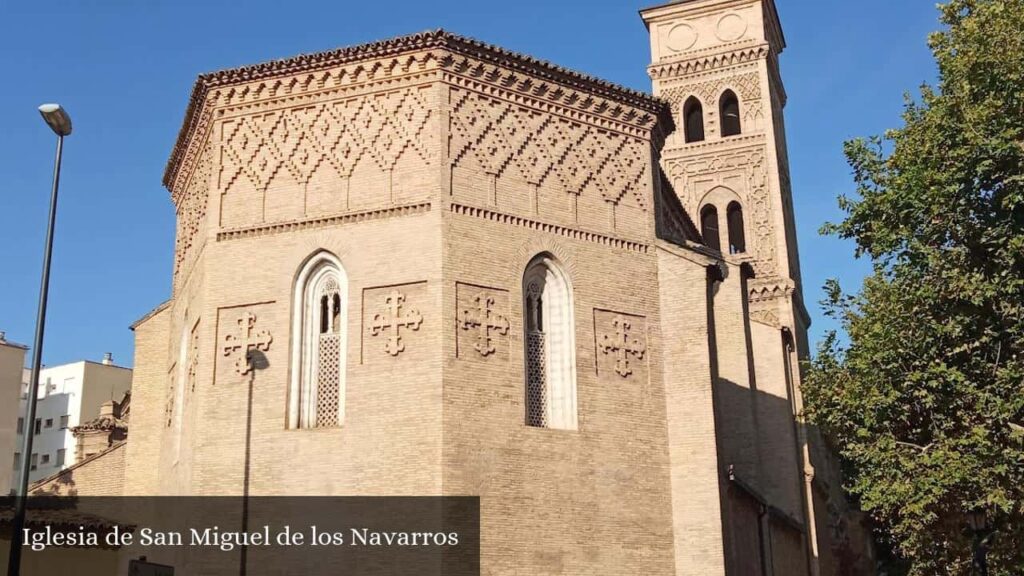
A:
(550, 345)
(693, 120)
(319, 336)
(709, 227)
(737, 236)
(729, 112)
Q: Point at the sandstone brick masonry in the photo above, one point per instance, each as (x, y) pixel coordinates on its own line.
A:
(434, 169)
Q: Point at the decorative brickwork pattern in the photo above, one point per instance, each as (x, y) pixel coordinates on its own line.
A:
(713, 60)
(747, 86)
(752, 164)
(495, 137)
(192, 215)
(378, 128)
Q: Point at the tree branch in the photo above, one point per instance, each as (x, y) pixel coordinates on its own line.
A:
(916, 446)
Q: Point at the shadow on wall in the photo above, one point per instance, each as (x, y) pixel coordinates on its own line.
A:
(760, 461)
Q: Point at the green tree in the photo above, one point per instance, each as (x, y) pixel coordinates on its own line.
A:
(925, 400)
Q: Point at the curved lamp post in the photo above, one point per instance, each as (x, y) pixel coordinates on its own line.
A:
(58, 120)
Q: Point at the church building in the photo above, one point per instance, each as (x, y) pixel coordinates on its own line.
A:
(432, 266)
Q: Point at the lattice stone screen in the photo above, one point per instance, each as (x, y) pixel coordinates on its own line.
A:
(327, 380)
(536, 380)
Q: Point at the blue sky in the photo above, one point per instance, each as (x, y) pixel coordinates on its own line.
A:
(124, 71)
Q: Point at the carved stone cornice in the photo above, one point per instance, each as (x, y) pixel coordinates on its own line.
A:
(323, 221)
(525, 89)
(719, 145)
(550, 228)
(549, 80)
(703, 61)
(769, 289)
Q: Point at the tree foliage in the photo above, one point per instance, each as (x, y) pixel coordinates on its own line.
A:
(925, 400)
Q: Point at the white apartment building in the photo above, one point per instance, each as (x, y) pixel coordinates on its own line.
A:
(69, 395)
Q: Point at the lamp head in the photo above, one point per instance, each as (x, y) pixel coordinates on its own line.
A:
(57, 118)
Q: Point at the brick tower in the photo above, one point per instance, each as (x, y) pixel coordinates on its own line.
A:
(717, 63)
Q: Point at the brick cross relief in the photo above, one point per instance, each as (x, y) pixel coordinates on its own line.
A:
(394, 321)
(247, 341)
(485, 320)
(622, 345)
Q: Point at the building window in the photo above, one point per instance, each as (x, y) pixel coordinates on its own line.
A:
(737, 236)
(49, 423)
(61, 456)
(39, 426)
(709, 227)
(693, 120)
(317, 391)
(729, 112)
(21, 425)
(17, 460)
(550, 345)
(64, 421)
(46, 458)
(33, 462)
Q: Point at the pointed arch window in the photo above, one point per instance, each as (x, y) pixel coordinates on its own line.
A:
(550, 345)
(319, 342)
(693, 120)
(729, 112)
(737, 235)
(709, 227)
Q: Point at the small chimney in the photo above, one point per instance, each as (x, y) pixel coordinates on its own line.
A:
(108, 359)
(107, 409)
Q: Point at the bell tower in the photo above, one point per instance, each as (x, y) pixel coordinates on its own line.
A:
(717, 63)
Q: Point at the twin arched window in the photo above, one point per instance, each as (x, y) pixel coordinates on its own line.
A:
(728, 114)
(709, 228)
(550, 345)
(320, 301)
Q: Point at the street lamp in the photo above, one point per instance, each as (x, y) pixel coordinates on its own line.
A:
(59, 121)
(981, 528)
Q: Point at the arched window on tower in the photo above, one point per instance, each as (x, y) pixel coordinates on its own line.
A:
(317, 390)
(737, 236)
(550, 345)
(693, 120)
(729, 112)
(709, 227)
